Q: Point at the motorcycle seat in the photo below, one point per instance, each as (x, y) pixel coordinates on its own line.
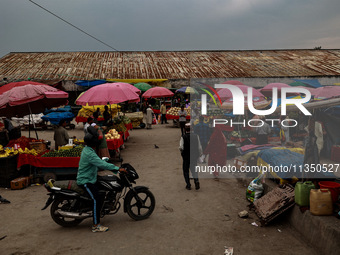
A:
(69, 185)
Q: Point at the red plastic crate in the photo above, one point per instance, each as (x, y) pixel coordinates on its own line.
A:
(335, 153)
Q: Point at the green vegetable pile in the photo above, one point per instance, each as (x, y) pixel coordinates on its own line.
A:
(74, 152)
(126, 119)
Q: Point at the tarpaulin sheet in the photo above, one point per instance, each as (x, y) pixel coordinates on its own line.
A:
(311, 82)
(56, 117)
(114, 144)
(85, 83)
(251, 147)
(37, 161)
(281, 157)
(67, 108)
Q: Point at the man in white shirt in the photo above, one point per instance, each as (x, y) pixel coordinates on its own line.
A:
(182, 118)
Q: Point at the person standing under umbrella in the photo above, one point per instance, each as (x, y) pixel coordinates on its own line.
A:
(149, 115)
(106, 116)
(60, 134)
(163, 112)
(96, 115)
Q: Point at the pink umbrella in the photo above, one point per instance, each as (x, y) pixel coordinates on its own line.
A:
(28, 99)
(11, 85)
(157, 92)
(267, 90)
(231, 82)
(226, 93)
(326, 92)
(128, 85)
(259, 100)
(107, 93)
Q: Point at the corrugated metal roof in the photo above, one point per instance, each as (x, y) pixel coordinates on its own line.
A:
(169, 64)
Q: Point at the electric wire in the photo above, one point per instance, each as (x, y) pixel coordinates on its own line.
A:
(81, 30)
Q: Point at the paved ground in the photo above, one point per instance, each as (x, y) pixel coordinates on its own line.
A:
(184, 222)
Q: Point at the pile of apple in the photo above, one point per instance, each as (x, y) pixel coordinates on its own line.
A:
(112, 134)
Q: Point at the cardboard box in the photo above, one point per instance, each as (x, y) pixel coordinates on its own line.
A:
(239, 162)
(20, 183)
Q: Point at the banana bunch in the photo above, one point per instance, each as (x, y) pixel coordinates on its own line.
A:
(4, 153)
(27, 151)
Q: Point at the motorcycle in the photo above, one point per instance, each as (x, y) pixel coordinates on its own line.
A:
(71, 204)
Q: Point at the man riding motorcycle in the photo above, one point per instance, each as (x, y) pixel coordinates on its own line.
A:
(87, 175)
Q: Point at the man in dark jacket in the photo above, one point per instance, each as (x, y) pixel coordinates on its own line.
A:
(191, 149)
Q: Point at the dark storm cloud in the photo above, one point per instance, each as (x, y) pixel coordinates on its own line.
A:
(169, 25)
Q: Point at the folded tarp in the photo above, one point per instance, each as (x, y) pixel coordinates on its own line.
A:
(56, 117)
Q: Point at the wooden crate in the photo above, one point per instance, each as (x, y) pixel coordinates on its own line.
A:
(38, 146)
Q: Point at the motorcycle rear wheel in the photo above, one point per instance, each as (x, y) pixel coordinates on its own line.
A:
(63, 204)
(140, 209)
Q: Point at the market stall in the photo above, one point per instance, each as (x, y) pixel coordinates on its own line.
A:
(87, 111)
(172, 114)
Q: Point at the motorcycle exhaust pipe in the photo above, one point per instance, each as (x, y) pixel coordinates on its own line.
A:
(74, 215)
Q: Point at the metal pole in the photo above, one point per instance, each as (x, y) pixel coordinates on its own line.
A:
(35, 130)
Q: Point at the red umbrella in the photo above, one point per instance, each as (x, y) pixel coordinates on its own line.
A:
(28, 99)
(133, 88)
(107, 93)
(11, 85)
(157, 92)
(267, 90)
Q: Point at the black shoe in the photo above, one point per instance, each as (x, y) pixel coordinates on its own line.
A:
(197, 185)
(188, 187)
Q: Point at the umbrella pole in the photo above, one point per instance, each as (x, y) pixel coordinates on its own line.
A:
(35, 130)
(29, 126)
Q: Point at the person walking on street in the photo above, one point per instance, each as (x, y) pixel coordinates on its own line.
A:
(87, 177)
(262, 132)
(182, 119)
(60, 134)
(149, 117)
(163, 114)
(190, 156)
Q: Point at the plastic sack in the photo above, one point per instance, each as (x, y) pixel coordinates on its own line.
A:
(255, 189)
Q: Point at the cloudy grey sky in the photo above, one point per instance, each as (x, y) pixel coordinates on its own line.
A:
(148, 25)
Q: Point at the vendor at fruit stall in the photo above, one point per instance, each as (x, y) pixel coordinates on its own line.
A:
(60, 134)
(102, 150)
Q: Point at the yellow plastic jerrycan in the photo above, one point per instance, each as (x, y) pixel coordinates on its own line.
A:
(321, 202)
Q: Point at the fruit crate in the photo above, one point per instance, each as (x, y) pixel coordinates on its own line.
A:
(8, 170)
(38, 146)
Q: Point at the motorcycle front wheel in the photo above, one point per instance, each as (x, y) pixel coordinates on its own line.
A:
(140, 204)
(63, 205)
